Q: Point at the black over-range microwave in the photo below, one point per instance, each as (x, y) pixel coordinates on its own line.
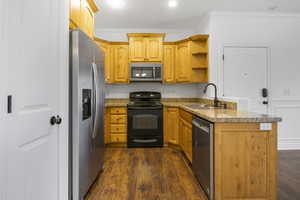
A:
(151, 72)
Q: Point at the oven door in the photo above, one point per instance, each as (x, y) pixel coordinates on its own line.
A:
(145, 126)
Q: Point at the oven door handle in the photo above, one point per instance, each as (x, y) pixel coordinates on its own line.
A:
(145, 108)
(145, 140)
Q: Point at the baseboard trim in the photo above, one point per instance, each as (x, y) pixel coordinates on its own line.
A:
(289, 143)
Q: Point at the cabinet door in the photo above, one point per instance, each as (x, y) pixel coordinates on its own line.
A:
(251, 157)
(154, 49)
(169, 63)
(87, 19)
(137, 49)
(180, 132)
(189, 143)
(172, 119)
(75, 12)
(183, 70)
(106, 126)
(120, 64)
(108, 70)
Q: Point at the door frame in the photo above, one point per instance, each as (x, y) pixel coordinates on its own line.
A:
(63, 130)
(222, 68)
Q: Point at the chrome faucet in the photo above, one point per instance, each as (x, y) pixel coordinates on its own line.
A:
(216, 101)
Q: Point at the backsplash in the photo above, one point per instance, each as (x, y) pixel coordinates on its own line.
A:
(167, 90)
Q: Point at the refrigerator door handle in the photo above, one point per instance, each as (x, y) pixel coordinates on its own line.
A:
(95, 101)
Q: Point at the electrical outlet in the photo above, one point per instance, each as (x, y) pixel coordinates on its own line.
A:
(265, 126)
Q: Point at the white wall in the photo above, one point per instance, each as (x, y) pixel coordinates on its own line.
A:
(281, 34)
(121, 34)
(168, 91)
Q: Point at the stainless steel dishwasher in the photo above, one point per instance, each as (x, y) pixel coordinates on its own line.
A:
(203, 154)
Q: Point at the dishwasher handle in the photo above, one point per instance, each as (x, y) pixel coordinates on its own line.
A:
(203, 128)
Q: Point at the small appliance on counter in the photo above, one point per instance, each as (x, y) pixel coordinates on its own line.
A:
(145, 120)
(146, 72)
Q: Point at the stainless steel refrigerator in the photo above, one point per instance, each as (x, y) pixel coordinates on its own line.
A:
(86, 113)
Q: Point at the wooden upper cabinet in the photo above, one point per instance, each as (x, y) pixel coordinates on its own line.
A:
(120, 63)
(145, 47)
(75, 6)
(87, 21)
(154, 49)
(137, 49)
(108, 70)
(82, 16)
(183, 68)
(169, 62)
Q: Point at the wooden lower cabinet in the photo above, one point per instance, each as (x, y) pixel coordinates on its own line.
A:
(245, 157)
(178, 129)
(185, 133)
(115, 125)
(171, 117)
(245, 162)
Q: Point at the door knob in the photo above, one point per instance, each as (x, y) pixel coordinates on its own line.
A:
(55, 120)
(58, 119)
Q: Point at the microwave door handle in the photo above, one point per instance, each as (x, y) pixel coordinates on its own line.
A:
(153, 73)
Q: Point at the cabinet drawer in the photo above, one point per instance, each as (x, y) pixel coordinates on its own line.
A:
(118, 129)
(186, 116)
(118, 138)
(118, 110)
(118, 119)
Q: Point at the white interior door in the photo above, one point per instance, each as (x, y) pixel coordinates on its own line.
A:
(245, 75)
(33, 35)
(3, 87)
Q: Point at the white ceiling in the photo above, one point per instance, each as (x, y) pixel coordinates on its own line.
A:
(155, 14)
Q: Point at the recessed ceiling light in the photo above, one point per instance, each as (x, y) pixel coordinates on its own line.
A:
(172, 3)
(116, 3)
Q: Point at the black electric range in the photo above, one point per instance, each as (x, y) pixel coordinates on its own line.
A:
(145, 120)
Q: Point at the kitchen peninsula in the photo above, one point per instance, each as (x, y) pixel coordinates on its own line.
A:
(245, 145)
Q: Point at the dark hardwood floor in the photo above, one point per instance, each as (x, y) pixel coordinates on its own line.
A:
(289, 175)
(162, 174)
(145, 174)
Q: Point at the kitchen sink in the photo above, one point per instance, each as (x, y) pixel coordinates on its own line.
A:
(201, 106)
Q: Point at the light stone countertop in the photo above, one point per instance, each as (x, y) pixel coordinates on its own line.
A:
(212, 114)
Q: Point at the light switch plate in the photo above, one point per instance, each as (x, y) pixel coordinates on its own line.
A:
(265, 126)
